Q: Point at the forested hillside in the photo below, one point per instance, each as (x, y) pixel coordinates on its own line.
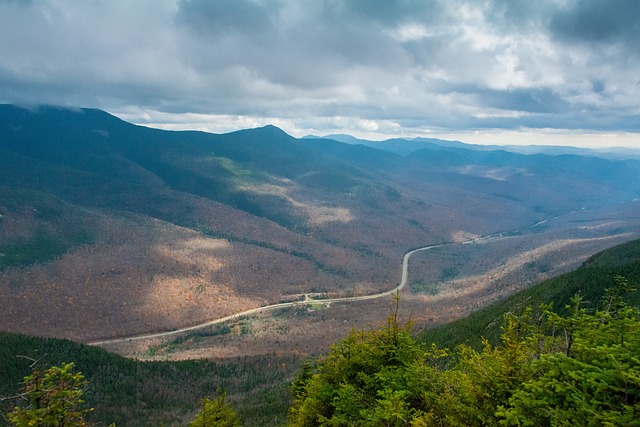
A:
(130, 392)
(598, 273)
(134, 393)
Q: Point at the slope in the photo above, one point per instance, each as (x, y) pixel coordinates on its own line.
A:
(110, 229)
(589, 281)
(148, 393)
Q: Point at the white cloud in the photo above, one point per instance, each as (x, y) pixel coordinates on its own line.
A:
(370, 67)
(410, 32)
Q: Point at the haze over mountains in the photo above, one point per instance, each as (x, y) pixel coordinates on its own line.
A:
(407, 146)
(109, 229)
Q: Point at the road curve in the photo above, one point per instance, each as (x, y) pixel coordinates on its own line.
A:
(403, 281)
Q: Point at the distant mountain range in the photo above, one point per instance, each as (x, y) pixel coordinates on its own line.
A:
(108, 228)
(404, 147)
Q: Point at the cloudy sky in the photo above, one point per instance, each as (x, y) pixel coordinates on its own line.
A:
(503, 71)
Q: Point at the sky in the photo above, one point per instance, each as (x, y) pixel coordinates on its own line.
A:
(561, 72)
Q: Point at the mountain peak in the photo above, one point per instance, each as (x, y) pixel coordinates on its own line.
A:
(272, 130)
(268, 132)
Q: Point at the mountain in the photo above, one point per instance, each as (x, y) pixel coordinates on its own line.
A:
(399, 146)
(110, 229)
(405, 146)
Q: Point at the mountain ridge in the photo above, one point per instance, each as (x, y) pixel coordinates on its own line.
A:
(406, 146)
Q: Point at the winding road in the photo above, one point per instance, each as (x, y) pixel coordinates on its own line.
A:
(307, 300)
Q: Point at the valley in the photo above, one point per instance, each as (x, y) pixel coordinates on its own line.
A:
(111, 230)
(492, 268)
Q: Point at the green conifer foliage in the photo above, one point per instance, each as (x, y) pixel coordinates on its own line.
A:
(580, 369)
(51, 398)
(216, 413)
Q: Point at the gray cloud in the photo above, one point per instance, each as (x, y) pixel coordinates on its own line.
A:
(451, 65)
(603, 21)
(225, 17)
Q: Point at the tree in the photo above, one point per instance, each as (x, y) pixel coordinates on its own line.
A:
(216, 413)
(596, 381)
(362, 381)
(52, 397)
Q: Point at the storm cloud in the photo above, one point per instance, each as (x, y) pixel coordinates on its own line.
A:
(401, 67)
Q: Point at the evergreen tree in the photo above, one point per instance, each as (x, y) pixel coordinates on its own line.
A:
(51, 398)
(216, 413)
